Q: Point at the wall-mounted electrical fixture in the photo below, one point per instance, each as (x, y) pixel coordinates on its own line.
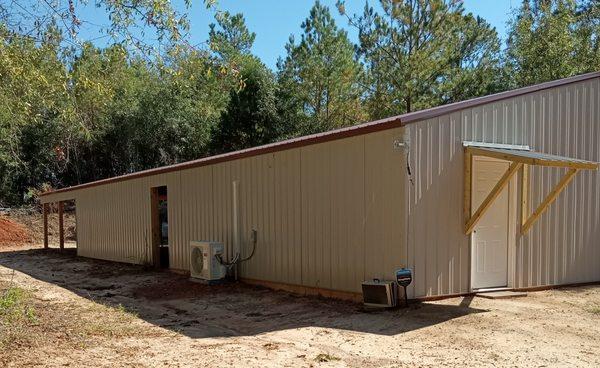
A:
(399, 144)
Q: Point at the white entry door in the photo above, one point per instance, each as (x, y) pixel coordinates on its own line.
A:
(489, 261)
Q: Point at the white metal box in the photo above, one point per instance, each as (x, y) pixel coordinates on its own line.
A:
(203, 260)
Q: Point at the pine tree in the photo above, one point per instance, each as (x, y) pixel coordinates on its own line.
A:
(250, 118)
(422, 53)
(319, 79)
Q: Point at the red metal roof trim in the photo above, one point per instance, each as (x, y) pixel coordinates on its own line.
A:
(360, 129)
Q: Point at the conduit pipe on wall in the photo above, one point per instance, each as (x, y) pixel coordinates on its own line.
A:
(236, 251)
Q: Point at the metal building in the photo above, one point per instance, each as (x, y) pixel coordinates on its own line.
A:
(495, 192)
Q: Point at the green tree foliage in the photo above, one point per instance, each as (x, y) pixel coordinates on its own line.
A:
(422, 53)
(588, 36)
(251, 116)
(552, 39)
(542, 40)
(102, 112)
(71, 112)
(34, 111)
(138, 25)
(230, 37)
(319, 79)
(148, 117)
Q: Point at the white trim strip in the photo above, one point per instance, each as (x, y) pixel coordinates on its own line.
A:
(496, 145)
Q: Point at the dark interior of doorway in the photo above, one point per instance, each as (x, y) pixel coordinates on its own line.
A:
(160, 227)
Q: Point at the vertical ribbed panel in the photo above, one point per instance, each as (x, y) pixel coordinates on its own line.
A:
(385, 188)
(327, 215)
(288, 217)
(563, 246)
(114, 220)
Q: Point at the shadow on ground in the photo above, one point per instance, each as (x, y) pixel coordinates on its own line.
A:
(195, 310)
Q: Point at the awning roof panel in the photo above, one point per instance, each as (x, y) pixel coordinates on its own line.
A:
(533, 158)
(519, 158)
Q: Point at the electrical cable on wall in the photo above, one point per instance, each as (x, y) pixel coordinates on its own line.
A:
(412, 184)
(237, 259)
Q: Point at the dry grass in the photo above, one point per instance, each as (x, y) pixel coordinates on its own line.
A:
(323, 358)
(29, 322)
(116, 321)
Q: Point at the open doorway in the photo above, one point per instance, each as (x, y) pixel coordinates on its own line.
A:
(160, 226)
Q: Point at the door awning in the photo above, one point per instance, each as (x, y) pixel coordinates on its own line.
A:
(532, 157)
(520, 158)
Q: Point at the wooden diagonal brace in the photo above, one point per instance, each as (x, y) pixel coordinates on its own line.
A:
(467, 185)
(524, 194)
(566, 179)
(487, 202)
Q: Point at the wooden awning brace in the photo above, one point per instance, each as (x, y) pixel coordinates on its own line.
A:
(520, 158)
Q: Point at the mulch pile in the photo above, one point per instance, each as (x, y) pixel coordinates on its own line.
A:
(12, 232)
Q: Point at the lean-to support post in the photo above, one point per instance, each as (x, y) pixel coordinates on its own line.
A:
(61, 229)
(45, 216)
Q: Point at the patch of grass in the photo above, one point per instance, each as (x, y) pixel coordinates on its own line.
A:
(594, 310)
(15, 306)
(121, 309)
(17, 315)
(322, 358)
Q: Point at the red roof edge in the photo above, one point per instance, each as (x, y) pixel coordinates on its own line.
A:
(433, 112)
(360, 129)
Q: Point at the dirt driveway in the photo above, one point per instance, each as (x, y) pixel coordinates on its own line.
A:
(93, 313)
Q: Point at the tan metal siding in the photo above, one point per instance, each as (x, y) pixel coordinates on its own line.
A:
(316, 216)
(288, 216)
(333, 225)
(563, 247)
(347, 166)
(385, 192)
(196, 206)
(328, 215)
(114, 220)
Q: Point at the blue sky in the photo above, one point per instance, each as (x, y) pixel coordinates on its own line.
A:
(274, 20)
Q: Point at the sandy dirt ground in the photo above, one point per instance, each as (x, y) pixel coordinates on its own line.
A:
(100, 314)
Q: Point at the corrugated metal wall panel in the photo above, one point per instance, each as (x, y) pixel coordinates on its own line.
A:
(114, 220)
(196, 207)
(316, 215)
(288, 216)
(563, 246)
(328, 215)
(385, 191)
(347, 170)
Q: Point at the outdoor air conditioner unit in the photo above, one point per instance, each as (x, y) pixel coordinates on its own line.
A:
(203, 262)
(378, 293)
